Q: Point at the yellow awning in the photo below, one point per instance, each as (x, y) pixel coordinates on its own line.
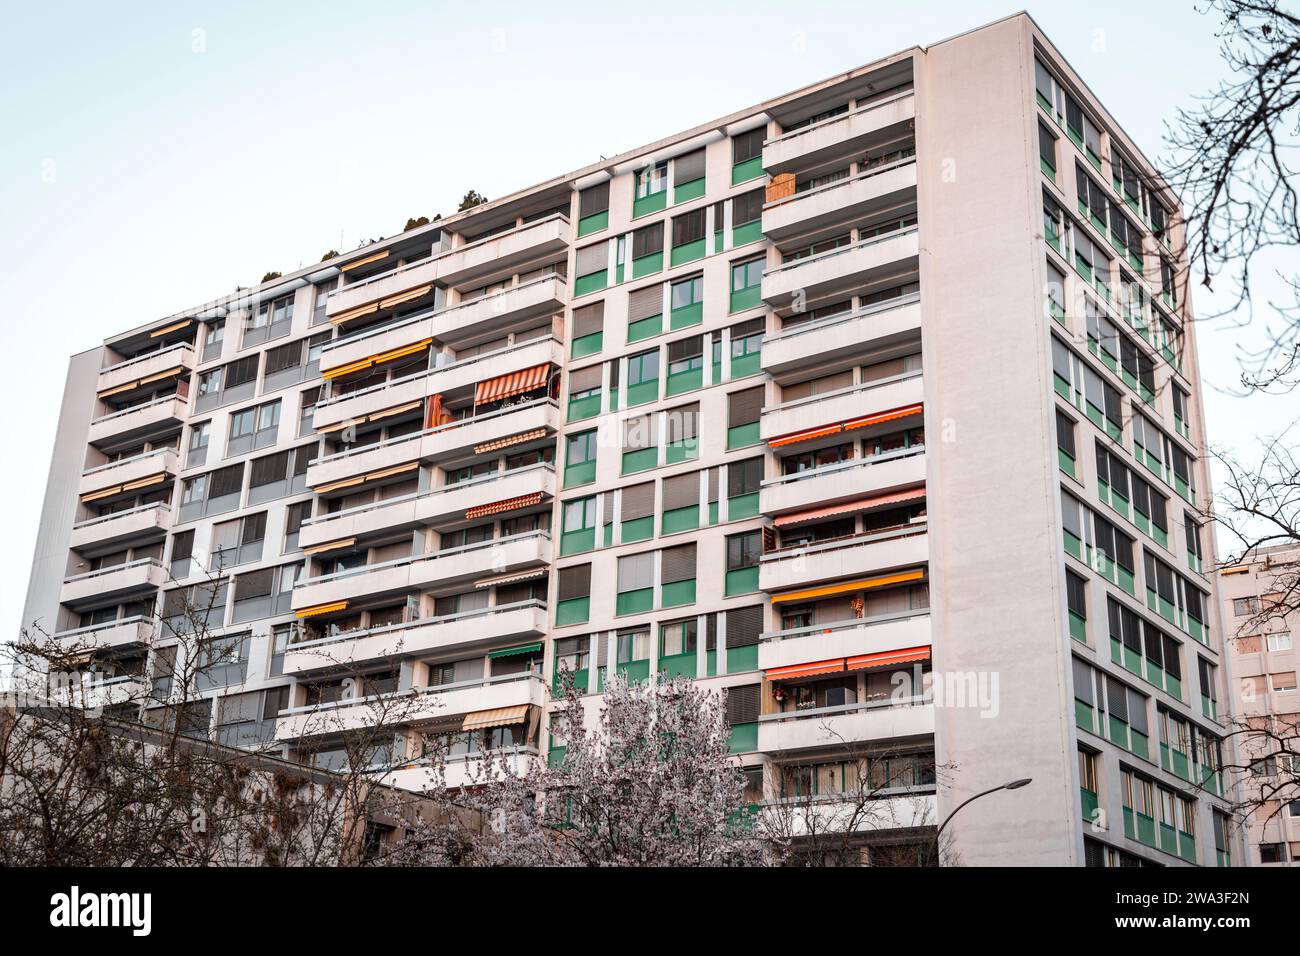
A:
(120, 388)
(96, 495)
(145, 482)
(881, 581)
(322, 609)
(171, 328)
(358, 263)
(496, 717)
(408, 296)
(372, 476)
(356, 313)
(330, 546)
(170, 373)
(378, 359)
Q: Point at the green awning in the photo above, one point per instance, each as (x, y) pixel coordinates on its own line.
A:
(512, 651)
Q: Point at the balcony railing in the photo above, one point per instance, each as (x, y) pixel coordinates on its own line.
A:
(833, 320)
(432, 493)
(890, 703)
(136, 408)
(841, 392)
(477, 614)
(418, 558)
(101, 519)
(179, 346)
(437, 429)
(846, 541)
(839, 466)
(841, 251)
(126, 461)
(139, 562)
(92, 629)
(851, 624)
(842, 117)
(411, 692)
(825, 188)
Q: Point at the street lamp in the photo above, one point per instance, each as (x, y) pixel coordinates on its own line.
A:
(1013, 785)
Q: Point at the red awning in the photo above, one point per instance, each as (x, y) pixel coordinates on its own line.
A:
(848, 507)
(515, 383)
(905, 412)
(804, 670)
(888, 658)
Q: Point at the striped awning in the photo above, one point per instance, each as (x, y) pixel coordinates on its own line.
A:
(510, 504)
(848, 507)
(805, 670)
(905, 411)
(514, 383)
(883, 580)
(512, 440)
(322, 609)
(888, 658)
(510, 579)
(496, 717)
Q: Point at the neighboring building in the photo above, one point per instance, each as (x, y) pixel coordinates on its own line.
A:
(891, 372)
(1262, 659)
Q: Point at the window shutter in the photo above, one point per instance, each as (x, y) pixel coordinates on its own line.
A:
(744, 625)
(643, 303)
(590, 259)
(688, 227)
(678, 564)
(682, 491)
(593, 199)
(1082, 681)
(713, 483)
(647, 240)
(638, 501)
(747, 207)
(744, 408)
(602, 650)
(584, 379)
(183, 546)
(607, 507)
(254, 584)
(575, 582)
(637, 433)
(744, 477)
(742, 704)
(588, 319)
(636, 571)
(268, 469)
(284, 356)
(226, 481)
(254, 528)
(302, 456)
(241, 371)
(688, 167)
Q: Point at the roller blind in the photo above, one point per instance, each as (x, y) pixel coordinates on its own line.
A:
(744, 625)
(575, 582)
(688, 167)
(638, 501)
(644, 303)
(588, 319)
(636, 571)
(682, 491)
(593, 199)
(744, 408)
(584, 379)
(742, 704)
(592, 258)
(678, 564)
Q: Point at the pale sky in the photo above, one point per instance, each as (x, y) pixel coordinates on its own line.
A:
(156, 155)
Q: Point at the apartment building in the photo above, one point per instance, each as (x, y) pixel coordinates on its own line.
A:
(875, 405)
(1258, 610)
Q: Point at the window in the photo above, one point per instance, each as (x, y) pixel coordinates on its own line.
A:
(197, 453)
(238, 541)
(1076, 602)
(743, 412)
(1272, 853)
(643, 377)
(295, 515)
(1065, 441)
(1244, 606)
(253, 428)
(689, 228)
(213, 338)
(1281, 641)
(182, 553)
(269, 320)
(651, 180)
(743, 550)
(593, 208)
(746, 283)
(232, 382)
(1047, 150)
(747, 148)
(747, 208)
(686, 293)
(635, 582)
(222, 661)
(580, 458)
(573, 594)
(572, 654)
(213, 493)
(647, 241)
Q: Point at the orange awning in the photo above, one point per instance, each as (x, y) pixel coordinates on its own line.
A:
(515, 383)
(881, 417)
(888, 658)
(510, 504)
(901, 577)
(512, 440)
(356, 313)
(379, 359)
(804, 670)
(804, 436)
(846, 507)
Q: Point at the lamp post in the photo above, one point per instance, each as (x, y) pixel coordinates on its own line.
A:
(1012, 785)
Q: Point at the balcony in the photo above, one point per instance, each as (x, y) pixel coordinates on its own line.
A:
(843, 481)
(114, 474)
(845, 200)
(537, 298)
(851, 638)
(853, 556)
(841, 135)
(480, 368)
(463, 632)
(448, 502)
(123, 374)
(451, 567)
(453, 440)
(504, 252)
(120, 582)
(94, 692)
(821, 728)
(461, 771)
(112, 634)
(355, 406)
(807, 344)
(412, 707)
(893, 809)
(139, 420)
(136, 525)
(385, 285)
(842, 268)
(843, 406)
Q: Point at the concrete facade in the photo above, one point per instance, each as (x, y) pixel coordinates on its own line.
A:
(776, 403)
